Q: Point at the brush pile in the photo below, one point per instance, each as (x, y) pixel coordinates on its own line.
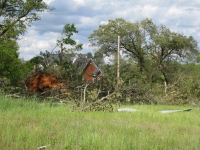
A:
(47, 85)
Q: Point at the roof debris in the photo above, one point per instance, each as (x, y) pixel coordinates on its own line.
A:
(173, 111)
(162, 111)
(127, 110)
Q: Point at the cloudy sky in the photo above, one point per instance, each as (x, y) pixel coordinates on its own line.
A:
(177, 15)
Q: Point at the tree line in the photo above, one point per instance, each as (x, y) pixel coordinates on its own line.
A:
(153, 57)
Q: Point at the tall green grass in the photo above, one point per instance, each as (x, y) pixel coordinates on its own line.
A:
(27, 124)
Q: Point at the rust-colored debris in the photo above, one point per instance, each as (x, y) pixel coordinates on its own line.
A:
(41, 81)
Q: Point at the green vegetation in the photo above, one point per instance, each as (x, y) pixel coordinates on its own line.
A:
(26, 124)
(156, 62)
(10, 65)
(152, 48)
(158, 66)
(16, 16)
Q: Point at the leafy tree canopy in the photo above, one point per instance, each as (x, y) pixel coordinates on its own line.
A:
(16, 15)
(151, 46)
(68, 31)
(142, 40)
(10, 66)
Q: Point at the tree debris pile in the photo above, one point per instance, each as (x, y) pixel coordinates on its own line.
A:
(105, 104)
(41, 81)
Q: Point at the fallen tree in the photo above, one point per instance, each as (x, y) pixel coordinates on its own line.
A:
(40, 81)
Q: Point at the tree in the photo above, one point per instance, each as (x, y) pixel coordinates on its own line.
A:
(89, 55)
(149, 45)
(127, 70)
(99, 58)
(10, 65)
(132, 38)
(18, 14)
(171, 46)
(63, 58)
(68, 31)
(30, 64)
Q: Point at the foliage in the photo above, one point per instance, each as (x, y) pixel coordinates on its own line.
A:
(153, 58)
(187, 86)
(129, 72)
(33, 61)
(68, 31)
(99, 58)
(18, 14)
(10, 65)
(4, 84)
(132, 38)
(150, 46)
(198, 59)
(58, 65)
(62, 66)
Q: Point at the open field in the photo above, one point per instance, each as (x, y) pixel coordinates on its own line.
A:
(26, 125)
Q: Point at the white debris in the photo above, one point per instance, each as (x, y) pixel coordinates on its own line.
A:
(127, 109)
(169, 111)
(41, 147)
(173, 111)
(162, 111)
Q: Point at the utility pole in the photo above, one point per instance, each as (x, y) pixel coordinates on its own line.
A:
(61, 53)
(118, 59)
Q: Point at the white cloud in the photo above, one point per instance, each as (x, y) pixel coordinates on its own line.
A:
(48, 1)
(104, 22)
(180, 15)
(87, 21)
(33, 43)
(80, 2)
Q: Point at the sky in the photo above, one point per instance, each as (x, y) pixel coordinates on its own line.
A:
(178, 15)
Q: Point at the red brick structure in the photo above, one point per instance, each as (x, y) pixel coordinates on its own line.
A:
(90, 70)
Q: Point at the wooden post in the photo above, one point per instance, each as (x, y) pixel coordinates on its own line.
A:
(165, 84)
(61, 54)
(118, 59)
(34, 68)
(84, 92)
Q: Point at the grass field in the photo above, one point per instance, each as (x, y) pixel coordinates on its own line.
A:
(27, 125)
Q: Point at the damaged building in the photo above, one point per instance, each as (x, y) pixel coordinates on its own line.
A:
(40, 80)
